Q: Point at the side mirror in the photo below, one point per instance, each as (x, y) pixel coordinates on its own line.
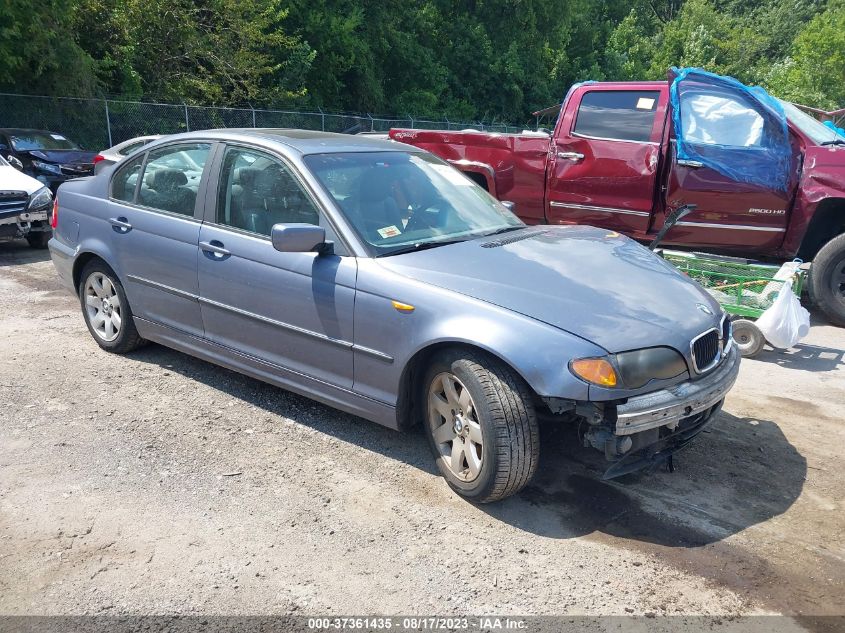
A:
(299, 238)
(14, 162)
(509, 205)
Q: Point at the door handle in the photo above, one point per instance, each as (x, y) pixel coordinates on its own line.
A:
(573, 156)
(214, 247)
(120, 225)
(694, 164)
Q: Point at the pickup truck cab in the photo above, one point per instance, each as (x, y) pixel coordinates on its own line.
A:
(612, 161)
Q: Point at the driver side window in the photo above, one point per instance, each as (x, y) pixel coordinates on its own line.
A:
(258, 191)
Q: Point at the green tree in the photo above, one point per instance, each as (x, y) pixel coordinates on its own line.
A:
(814, 72)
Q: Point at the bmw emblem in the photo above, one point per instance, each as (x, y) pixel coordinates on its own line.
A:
(704, 308)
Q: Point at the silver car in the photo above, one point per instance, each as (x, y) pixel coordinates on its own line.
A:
(374, 277)
(120, 151)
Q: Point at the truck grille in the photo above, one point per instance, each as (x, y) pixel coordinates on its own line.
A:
(12, 203)
(705, 350)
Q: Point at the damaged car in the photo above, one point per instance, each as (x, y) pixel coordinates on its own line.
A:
(25, 206)
(374, 277)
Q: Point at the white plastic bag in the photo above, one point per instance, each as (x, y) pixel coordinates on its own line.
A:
(786, 322)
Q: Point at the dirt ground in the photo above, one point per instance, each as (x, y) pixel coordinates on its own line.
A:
(157, 483)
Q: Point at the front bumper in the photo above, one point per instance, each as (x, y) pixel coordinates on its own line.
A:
(23, 218)
(684, 400)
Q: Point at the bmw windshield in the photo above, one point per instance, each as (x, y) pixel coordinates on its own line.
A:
(400, 202)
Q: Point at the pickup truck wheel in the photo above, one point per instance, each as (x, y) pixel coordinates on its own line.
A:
(38, 239)
(106, 310)
(748, 338)
(827, 280)
(481, 425)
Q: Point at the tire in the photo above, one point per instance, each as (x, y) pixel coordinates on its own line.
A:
(748, 338)
(101, 297)
(39, 239)
(827, 280)
(495, 425)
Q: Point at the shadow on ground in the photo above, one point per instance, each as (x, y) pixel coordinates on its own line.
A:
(17, 252)
(804, 357)
(740, 472)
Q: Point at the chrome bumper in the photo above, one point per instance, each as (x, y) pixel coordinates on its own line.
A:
(681, 401)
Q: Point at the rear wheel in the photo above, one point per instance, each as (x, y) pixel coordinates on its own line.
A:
(106, 310)
(481, 425)
(748, 338)
(827, 280)
(38, 239)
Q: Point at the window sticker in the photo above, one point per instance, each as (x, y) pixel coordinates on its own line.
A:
(644, 103)
(389, 231)
(58, 137)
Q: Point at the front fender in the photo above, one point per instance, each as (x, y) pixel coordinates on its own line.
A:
(540, 353)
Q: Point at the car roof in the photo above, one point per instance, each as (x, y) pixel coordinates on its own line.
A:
(305, 141)
(19, 130)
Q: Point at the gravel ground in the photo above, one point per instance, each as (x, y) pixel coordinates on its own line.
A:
(157, 483)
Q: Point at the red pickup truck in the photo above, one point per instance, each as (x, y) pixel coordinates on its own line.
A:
(615, 160)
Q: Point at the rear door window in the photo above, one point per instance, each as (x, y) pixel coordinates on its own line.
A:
(623, 115)
(172, 177)
(125, 180)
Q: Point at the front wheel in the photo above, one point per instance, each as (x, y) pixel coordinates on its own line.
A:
(827, 280)
(38, 239)
(106, 310)
(481, 425)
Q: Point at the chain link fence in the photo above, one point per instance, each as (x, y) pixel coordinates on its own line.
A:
(101, 123)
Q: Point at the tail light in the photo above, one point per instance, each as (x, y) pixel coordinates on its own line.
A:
(54, 218)
(98, 158)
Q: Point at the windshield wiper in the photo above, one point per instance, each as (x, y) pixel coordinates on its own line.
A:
(419, 246)
(506, 229)
(836, 141)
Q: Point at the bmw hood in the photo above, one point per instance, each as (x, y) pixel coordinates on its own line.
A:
(594, 283)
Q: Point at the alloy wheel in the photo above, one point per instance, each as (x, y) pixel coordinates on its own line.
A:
(454, 425)
(102, 305)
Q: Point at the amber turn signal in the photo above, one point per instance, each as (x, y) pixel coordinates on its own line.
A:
(597, 371)
(402, 307)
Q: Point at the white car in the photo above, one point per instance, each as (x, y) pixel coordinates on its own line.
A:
(25, 206)
(117, 153)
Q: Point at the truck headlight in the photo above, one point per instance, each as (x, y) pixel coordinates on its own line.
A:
(49, 168)
(632, 369)
(40, 200)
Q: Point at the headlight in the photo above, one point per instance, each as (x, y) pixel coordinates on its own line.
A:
(639, 367)
(50, 168)
(631, 370)
(41, 199)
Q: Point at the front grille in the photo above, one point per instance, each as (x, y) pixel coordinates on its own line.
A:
(12, 203)
(705, 350)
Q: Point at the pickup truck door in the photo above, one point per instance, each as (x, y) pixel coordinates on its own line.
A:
(604, 158)
(736, 165)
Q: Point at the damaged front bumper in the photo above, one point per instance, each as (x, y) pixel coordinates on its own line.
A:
(680, 401)
(646, 430)
(19, 224)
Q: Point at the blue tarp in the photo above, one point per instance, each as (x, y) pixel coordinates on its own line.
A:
(739, 131)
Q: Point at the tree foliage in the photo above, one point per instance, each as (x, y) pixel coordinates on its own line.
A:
(491, 59)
